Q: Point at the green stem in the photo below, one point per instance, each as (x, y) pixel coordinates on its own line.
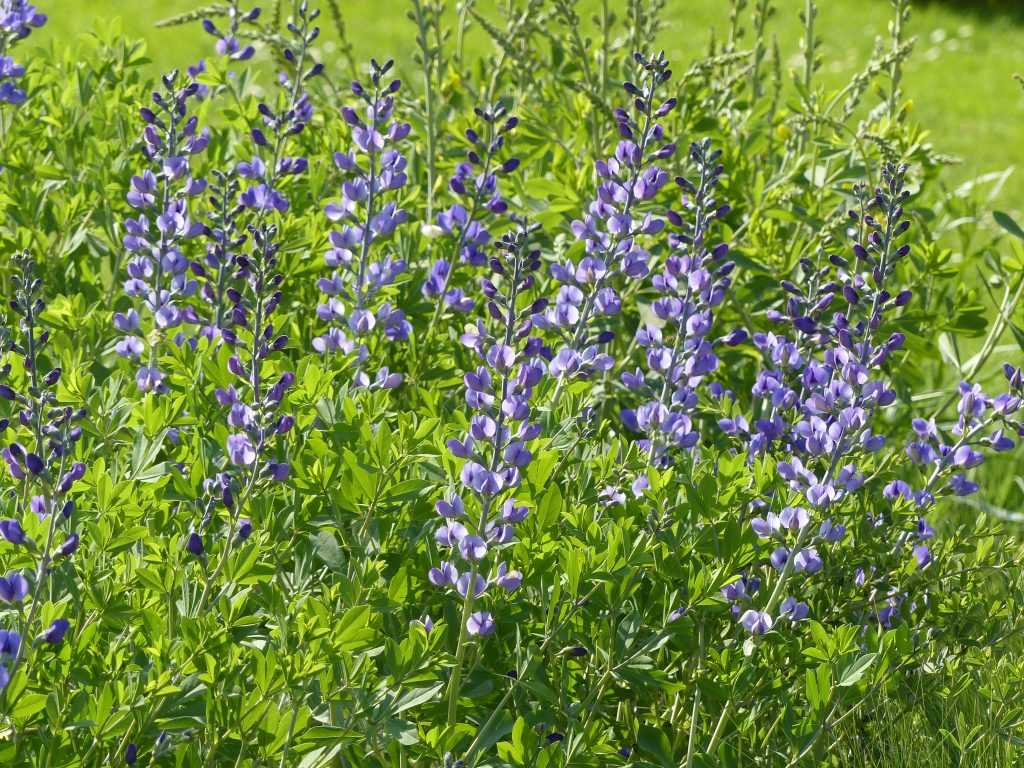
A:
(455, 683)
(695, 713)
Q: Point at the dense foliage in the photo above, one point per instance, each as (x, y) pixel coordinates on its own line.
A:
(567, 407)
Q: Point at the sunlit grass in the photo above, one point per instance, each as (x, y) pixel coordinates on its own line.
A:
(959, 81)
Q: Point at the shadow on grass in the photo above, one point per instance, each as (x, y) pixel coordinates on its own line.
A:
(982, 10)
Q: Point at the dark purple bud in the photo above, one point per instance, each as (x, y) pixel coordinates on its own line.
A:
(69, 546)
(665, 108)
(805, 324)
(76, 472)
(54, 634)
(195, 544)
(737, 337)
(244, 529)
(35, 464)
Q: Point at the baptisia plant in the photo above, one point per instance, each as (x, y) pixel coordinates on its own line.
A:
(677, 351)
(266, 175)
(819, 395)
(224, 237)
(819, 399)
(612, 229)
(254, 449)
(159, 283)
(466, 223)
(373, 170)
(17, 20)
(228, 43)
(983, 424)
(478, 521)
(41, 463)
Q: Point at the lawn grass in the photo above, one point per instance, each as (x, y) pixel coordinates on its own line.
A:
(959, 80)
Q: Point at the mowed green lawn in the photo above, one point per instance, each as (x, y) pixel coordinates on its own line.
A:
(960, 79)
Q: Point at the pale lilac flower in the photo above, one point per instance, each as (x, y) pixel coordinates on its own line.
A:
(756, 622)
(480, 624)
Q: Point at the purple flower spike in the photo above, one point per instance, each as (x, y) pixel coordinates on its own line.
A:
(159, 281)
(480, 520)
(822, 388)
(367, 219)
(612, 229)
(466, 223)
(17, 20)
(227, 44)
(46, 473)
(680, 354)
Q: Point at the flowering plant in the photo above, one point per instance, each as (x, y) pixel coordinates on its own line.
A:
(595, 450)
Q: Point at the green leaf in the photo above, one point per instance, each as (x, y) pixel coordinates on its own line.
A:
(417, 696)
(1018, 335)
(28, 705)
(856, 670)
(550, 507)
(352, 632)
(1011, 226)
(327, 549)
(655, 743)
(327, 733)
